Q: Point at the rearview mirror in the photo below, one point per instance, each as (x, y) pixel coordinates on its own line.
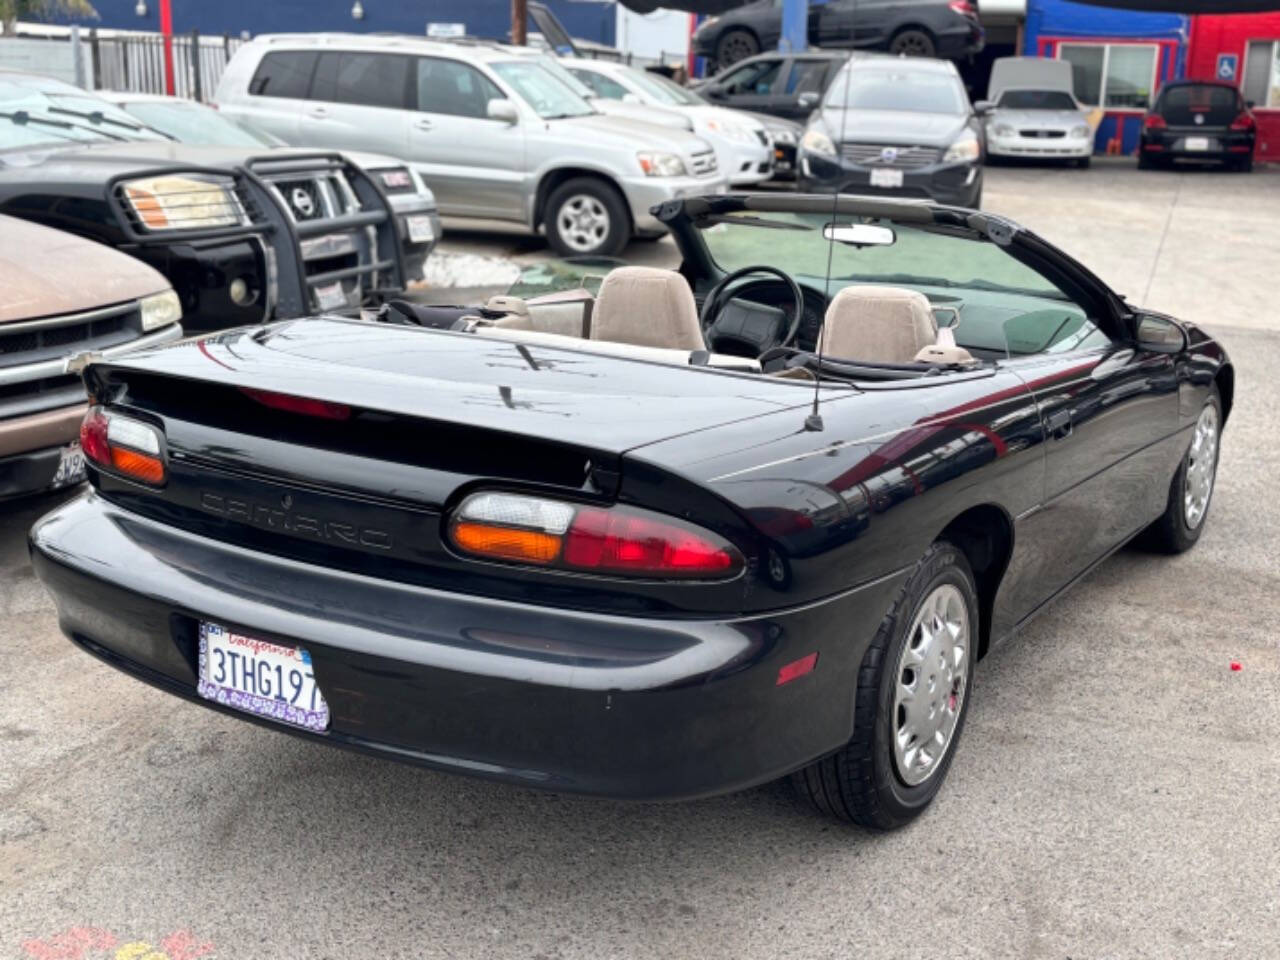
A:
(1159, 334)
(500, 108)
(859, 234)
(983, 107)
(808, 100)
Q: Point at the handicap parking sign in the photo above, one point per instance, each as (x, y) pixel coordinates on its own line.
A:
(1227, 63)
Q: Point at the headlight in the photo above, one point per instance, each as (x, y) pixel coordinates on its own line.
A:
(160, 310)
(966, 149)
(1080, 132)
(661, 164)
(173, 202)
(815, 141)
(1002, 130)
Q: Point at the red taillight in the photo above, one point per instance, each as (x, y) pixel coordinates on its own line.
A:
(962, 7)
(1244, 122)
(622, 540)
(796, 669)
(303, 405)
(1153, 121)
(124, 446)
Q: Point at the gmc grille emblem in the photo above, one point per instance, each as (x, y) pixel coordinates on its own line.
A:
(302, 202)
(284, 520)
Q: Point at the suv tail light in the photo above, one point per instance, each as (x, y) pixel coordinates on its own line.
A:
(962, 7)
(1153, 121)
(124, 446)
(1244, 121)
(619, 540)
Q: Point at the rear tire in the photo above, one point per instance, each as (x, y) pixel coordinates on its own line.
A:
(913, 42)
(735, 45)
(884, 776)
(1084, 162)
(1145, 162)
(585, 217)
(1243, 166)
(1191, 490)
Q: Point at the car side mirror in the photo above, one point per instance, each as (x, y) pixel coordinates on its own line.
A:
(500, 108)
(1159, 334)
(713, 92)
(983, 107)
(808, 100)
(1250, 104)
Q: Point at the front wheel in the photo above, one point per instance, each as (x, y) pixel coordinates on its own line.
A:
(736, 45)
(913, 43)
(1180, 525)
(913, 694)
(585, 217)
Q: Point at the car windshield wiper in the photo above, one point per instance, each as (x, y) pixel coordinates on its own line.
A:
(22, 118)
(97, 117)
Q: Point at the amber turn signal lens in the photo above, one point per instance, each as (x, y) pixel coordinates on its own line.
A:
(505, 543)
(139, 466)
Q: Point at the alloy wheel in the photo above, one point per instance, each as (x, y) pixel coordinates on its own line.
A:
(1202, 464)
(583, 222)
(930, 684)
(913, 44)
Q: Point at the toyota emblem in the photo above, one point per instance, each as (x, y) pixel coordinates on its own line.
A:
(888, 154)
(302, 202)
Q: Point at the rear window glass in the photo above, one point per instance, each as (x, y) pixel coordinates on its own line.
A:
(286, 73)
(1215, 104)
(366, 79)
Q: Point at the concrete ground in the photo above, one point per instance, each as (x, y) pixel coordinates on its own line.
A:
(1116, 793)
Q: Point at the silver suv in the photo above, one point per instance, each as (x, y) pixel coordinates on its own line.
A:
(493, 132)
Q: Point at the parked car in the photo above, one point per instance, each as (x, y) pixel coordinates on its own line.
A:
(494, 134)
(1032, 112)
(64, 295)
(546, 558)
(917, 28)
(895, 127)
(187, 121)
(243, 235)
(743, 148)
(782, 85)
(1199, 120)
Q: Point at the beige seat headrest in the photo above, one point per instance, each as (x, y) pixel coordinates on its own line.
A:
(647, 307)
(876, 324)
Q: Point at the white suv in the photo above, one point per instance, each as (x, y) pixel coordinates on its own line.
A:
(493, 132)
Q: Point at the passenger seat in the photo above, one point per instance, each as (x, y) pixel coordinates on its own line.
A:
(647, 307)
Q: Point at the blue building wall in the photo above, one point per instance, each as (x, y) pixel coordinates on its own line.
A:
(588, 19)
(1052, 21)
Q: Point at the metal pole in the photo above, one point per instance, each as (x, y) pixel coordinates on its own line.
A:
(195, 66)
(519, 22)
(95, 54)
(77, 56)
(795, 26)
(166, 29)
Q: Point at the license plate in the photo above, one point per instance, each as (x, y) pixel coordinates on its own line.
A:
(889, 179)
(397, 179)
(331, 296)
(1197, 143)
(420, 229)
(70, 467)
(258, 677)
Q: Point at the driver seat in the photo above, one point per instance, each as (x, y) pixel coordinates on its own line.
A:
(647, 307)
(877, 324)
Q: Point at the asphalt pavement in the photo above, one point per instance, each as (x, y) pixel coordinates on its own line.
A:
(1116, 792)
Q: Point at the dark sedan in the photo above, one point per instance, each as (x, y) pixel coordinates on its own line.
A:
(895, 127)
(788, 86)
(919, 28)
(665, 552)
(1199, 120)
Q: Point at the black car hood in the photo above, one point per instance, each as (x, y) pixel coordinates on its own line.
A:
(893, 126)
(99, 162)
(607, 403)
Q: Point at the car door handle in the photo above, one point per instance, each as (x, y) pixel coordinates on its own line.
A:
(424, 125)
(320, 113)
(1058, 424)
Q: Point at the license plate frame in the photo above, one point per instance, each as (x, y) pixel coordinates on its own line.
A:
(1197, 144)
(312, 713)
(420, 228)
(331, 296)
(71, 467)
(887, 178)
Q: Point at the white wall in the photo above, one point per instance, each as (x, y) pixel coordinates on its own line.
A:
(661, 34)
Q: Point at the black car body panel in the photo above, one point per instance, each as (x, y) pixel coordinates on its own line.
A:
(286, 257)
(331, 534)
(859, 24)
(1199, 120)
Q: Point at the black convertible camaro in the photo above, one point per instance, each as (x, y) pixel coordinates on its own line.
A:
(620, 545)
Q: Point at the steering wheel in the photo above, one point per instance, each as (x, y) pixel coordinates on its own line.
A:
(754, 328)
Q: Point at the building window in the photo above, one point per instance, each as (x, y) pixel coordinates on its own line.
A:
(1116, 76)
(1262, 73)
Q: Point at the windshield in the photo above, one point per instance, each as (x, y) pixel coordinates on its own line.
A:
(559, 276)
(40, 113)
(893, 88)
(550, 96)
(663, 90)
(189, 122)
(1036, 100)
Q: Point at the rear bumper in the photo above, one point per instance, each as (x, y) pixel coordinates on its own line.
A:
(1193, 144)
(628, 707)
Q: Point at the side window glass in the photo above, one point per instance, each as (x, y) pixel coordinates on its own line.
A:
(758, 78)
(806, 76)
(286, 73)
(601, 85)
(450, 87)
(365, 79)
